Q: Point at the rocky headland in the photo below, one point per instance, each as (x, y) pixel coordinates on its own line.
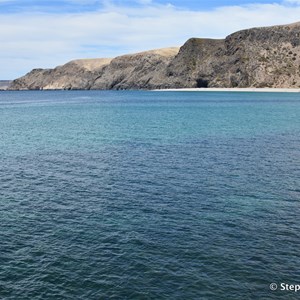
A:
(252, 58)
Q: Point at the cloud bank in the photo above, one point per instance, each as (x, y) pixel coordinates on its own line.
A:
(37, 38)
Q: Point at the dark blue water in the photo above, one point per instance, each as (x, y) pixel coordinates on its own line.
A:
(149, 195)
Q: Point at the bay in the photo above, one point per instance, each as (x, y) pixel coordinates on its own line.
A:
(149, 195)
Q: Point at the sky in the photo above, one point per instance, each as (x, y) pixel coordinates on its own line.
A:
(44, 34)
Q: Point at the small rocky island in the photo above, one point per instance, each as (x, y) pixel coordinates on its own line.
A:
(257, 57)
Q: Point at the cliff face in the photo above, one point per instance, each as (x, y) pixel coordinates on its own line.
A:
(145, 70)
(76, 74)
(132, 71)
(196, 64)
(261, 57)
(257, 57)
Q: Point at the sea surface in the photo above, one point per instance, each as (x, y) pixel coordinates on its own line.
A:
(149, 195)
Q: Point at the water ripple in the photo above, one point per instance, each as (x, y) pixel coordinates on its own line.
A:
(95, 206)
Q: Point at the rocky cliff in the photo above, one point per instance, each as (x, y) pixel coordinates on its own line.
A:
(257, 57)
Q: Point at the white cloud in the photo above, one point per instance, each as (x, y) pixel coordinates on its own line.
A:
(45, 40)
(292, 1)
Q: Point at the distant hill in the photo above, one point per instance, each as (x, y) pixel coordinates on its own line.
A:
(4, 84)
(257, 57)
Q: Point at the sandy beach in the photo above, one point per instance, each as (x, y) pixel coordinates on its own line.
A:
(268, 90)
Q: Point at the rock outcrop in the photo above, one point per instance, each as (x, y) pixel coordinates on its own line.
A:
(144, 70)
(257, 57)
(76, 74)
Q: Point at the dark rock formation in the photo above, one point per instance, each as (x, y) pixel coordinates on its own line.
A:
(257, 57)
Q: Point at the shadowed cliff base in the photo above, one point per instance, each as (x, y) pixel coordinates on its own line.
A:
(266, 57)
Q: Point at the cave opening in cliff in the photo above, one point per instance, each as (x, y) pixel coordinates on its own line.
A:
(202, 83)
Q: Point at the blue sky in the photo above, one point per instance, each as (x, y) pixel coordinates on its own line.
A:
(40, 33)
(90, 5)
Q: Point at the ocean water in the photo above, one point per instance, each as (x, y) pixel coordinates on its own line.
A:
(149, 195)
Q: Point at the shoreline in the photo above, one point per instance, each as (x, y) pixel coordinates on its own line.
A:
(260, 90)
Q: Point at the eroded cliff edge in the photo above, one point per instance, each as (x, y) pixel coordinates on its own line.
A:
(257, 57)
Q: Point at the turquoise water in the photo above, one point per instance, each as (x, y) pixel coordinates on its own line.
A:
(149, 195)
